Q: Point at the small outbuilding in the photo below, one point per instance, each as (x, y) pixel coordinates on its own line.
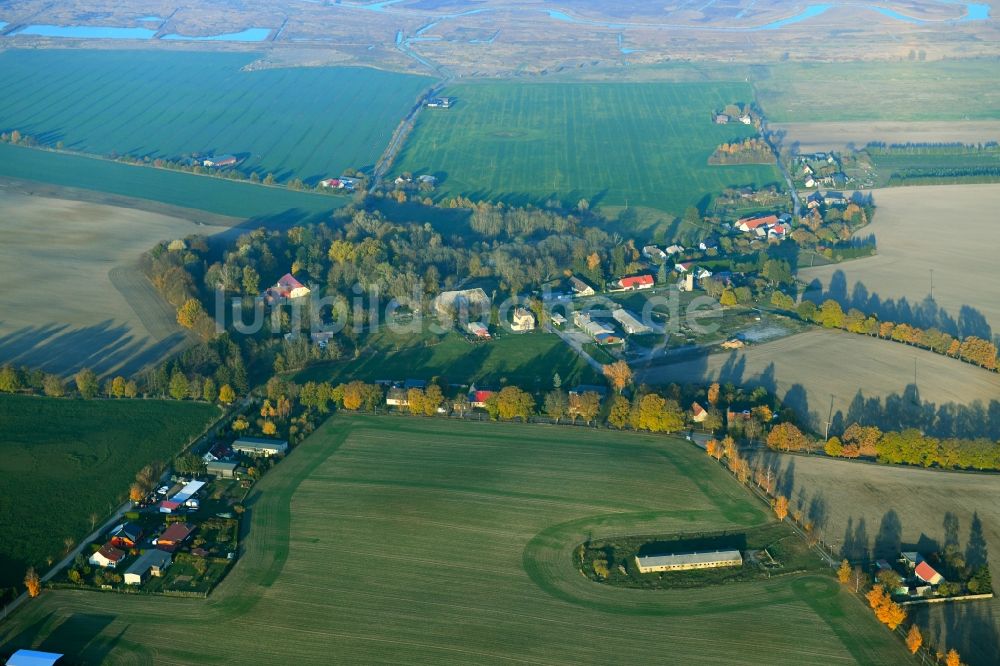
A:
(221, 469)
(173, 537)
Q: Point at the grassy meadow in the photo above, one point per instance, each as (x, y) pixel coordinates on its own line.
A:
(528, 361)
(431, 541)
(864, 91)
(646, 145)
(63, 460)
(304, 122)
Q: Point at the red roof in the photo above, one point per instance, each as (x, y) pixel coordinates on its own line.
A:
(697, 409)
(754, 222)
(481, 396)
(111, 553)
(636, 281)
(926, 572)
(175, 533)
(288, 281)
(169, 504)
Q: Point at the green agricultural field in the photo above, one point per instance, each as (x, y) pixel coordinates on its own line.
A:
(63, 460)
(308, 122)
(215, 195)
(432, 541)
(646, 144)
(905, 91)
(936, 169)
(528, 361)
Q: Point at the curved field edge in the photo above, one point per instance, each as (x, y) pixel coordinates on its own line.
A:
(395, 539)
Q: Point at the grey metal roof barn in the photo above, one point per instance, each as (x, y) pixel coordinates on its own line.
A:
(258, 446)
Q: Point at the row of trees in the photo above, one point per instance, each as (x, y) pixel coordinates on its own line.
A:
(830, 314)
(911, 447)
(748, 151)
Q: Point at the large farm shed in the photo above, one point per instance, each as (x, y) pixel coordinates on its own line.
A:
(255, 446)
(688, 561)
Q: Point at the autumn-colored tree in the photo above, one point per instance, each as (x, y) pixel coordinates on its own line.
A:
(512, 403)
(713, 394)
(433, 399)
(190, 313)
(593, 261)
(712, 447)
(914, 639)
(354, 395)
(952, 658)
(787, 437)
(131, 389)
(618, 374)
(858, 578)
(876, 596)
(178, 385)
(586, 405)
(136, 492)
(415, 400)
(834, 447)
(269, 428)
(32, 582)
(781, 507)
(729, 446)
(240, 424)
(728, 297)
(86, 383)
(226, 394)
(890, 613)
(556, 404)
(844, 572)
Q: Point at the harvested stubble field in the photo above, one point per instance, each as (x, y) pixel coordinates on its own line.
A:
(77, 298)
(823, 136)
(908, 228)
(820, 372)
(641, 144)
(308, 123)
(62, 460)
(869, 507)
(434, 541)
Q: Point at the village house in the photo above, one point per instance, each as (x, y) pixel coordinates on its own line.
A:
(523, 320)
(557, 319)
(331, 183)
(710, 243)
(107, 557)
(675, 249)
(580, 288)
(397, 397)
(635, 282)
(439, 103)
(255, 446)
(126, 535)
(684, 267)
(810, 182)
(928, 574)
(629, 322)
(698, 413)
(478, 397)
(287, 288)
(758, 225)
(219, 161)
(173, 537)
(720, 119)
(654, 253)
(151, 563)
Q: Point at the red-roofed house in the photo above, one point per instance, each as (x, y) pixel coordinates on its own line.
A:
(698, 413)
(757, 224)
(636, 282)
(479, 398)
(286, 288)
(173, 537)
(108, 557)
(778, 231)
(926, 573)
